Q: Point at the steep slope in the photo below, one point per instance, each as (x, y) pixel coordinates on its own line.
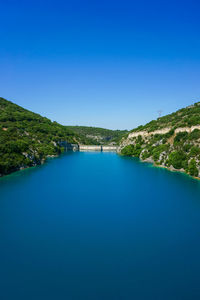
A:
(172, 141)
(27, 139)
(98, 136)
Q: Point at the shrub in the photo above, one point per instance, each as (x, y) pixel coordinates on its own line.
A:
(178, 159)
(193, 171)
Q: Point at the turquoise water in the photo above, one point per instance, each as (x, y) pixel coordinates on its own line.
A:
(99, 226)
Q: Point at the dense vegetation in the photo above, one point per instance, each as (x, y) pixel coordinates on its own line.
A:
(98, 136)
(27, 139)
(174, 150)
(184, 117)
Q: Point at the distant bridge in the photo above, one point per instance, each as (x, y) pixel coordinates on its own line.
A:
(75, 147)
(97, 148)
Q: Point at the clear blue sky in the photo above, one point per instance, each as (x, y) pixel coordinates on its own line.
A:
(110, 63)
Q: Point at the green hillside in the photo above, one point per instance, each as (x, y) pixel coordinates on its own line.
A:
(188, 116)
(178, 148)
(98, 136)
(27, 139)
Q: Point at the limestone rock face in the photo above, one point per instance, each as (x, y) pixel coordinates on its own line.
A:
(172, 141)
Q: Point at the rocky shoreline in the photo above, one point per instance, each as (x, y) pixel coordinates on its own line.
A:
(176, 150)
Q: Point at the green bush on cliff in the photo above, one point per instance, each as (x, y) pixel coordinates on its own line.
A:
(169, 134)
(193, 171)
(157, 150)
(194, 135)
(180, 137)
(128, 150)
(146, 154)
(194, 151)
(131, 150)
(178, 159)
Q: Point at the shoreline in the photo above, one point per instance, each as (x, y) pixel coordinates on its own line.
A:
(42, 162)
(161, 166)
(167, 168)
(48, 157)
(141, 160)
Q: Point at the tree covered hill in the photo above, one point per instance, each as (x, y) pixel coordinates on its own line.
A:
(98, 136)
(188, 116)
(27, 139)
(172, 141)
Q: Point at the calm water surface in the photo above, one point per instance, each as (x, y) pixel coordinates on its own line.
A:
(99, 226)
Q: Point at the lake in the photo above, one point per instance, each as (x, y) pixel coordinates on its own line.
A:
(99, 226)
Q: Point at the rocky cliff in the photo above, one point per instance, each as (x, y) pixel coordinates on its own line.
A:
(172, 141)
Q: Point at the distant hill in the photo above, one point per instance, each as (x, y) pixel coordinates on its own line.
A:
(98, 136)
(172, 141)
(27, 139)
